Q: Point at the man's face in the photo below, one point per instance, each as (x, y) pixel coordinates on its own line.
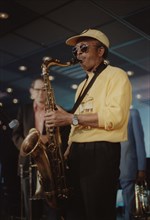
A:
(89, 53)
(37, 92)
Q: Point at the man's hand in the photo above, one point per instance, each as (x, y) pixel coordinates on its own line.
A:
(57, 118)
(140, 176)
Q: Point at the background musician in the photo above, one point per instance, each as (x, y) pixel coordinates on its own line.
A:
(32, 116)
(133, 162)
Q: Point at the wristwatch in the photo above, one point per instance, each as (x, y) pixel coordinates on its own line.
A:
(75, 121)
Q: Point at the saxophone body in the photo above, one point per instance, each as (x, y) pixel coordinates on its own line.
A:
(48, 157)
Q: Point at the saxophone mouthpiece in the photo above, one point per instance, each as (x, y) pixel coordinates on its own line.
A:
(74, 61)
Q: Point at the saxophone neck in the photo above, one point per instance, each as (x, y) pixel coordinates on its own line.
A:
(48, 62)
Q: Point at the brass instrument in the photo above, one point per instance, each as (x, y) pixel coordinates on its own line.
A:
(48, 157)
(138, 210)
(142, 199)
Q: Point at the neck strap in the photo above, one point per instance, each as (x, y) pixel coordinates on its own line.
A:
(99, 69)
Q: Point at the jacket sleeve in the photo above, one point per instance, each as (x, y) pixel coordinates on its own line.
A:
(114, 114)
(139, 139)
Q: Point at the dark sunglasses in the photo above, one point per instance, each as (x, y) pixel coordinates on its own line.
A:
(83, 48)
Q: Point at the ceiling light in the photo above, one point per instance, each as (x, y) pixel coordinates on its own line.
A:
(51, 78)
(74, 86)
(4, 15)
(46, 58)
(3, 126)
(15, 101)
(130, 73)
(22, 68)
(9, 90)
(138, 96)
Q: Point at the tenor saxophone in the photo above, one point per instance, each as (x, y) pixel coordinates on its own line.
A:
(48, 157)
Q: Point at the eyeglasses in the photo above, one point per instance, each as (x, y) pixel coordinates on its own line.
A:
(38, 90)
(83, 48)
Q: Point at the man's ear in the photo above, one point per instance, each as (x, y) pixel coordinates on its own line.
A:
(101, 51)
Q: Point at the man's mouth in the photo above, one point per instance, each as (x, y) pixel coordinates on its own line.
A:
(79, 60)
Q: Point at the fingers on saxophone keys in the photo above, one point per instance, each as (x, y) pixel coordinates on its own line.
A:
(49, 124)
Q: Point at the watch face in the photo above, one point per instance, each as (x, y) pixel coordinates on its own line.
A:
(75, 120)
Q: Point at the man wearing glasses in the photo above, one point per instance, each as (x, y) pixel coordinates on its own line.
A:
(99, 124)
(32, 116)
